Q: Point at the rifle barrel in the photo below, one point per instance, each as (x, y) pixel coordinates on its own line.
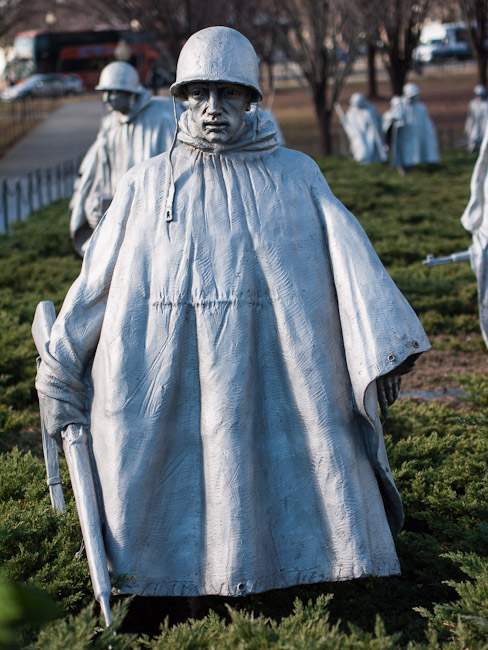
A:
(431, 260)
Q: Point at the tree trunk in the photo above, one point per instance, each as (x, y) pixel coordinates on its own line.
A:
(372, 81)
(482, 60)
(397, 71)
(319, 92)
(271, 81)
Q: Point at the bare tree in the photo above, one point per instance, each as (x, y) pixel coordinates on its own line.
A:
(399, 24)
(475, 13)
(174, 20)
(16, 14)
(366, 10)
(323, 38)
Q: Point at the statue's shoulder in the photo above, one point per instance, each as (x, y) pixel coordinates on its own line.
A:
(296, 163)
(157, 166)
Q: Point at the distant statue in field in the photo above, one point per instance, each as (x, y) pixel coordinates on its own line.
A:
(227, 343)
(477, 119)
(137, 127)
(362, 125)
(412, 133)
(475, 219)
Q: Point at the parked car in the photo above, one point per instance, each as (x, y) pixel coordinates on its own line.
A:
(44, 85)
(440, 42)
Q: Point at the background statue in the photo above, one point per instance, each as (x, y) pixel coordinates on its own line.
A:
(413, 133)
(475, 219)
(362, 125)
(137, 127)
(227, 342)
(475, 126)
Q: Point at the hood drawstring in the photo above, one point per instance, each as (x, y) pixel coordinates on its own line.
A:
(168, 211)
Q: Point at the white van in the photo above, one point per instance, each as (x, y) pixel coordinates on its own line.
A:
(442, 41)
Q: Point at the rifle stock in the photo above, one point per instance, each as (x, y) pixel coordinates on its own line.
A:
(76, 446)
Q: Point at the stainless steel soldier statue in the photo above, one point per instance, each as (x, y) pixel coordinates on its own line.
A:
(227, 342)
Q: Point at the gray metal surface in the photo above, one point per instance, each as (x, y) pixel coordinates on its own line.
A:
(41, 331)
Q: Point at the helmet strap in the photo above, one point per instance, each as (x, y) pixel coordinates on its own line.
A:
(255, 127)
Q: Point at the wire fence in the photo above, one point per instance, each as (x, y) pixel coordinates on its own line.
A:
(19, 197)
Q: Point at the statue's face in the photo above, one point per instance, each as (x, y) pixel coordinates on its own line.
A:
(118, 100)
(218, 110)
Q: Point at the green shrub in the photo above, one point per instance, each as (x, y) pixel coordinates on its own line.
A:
(437, 451)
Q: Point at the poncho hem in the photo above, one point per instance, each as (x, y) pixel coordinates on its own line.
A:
(218, 587)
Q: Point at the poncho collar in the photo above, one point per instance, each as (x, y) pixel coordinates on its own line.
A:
(257, 134)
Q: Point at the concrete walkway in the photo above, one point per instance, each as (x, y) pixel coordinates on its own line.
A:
(65, 134)
(62, 137)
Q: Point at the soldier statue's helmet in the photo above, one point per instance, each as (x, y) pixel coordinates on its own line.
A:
(120, 76)
(358, 100)
(218, 54)
(411, 90)
(480, 91)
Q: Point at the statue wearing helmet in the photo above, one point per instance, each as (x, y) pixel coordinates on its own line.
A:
(228, 339)
(412, 135)
(477, 119)
(362, 125)
(136, 127)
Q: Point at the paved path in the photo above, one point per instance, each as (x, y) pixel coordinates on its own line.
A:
(62, 137)
(65, 134)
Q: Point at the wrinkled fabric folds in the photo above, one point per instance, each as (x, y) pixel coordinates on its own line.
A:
(229, 358)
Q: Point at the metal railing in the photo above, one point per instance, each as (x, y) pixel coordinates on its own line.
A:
(19, 197)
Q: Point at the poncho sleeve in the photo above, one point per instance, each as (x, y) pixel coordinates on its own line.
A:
(75, 334)
(380, 329)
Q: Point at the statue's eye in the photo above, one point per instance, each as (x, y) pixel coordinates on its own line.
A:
(196, 93)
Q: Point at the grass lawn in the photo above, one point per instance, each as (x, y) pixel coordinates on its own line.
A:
(438, 450)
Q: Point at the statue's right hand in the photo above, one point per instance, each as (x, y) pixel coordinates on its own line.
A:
(57, 415)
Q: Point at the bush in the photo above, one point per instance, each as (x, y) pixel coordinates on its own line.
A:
(437, 451)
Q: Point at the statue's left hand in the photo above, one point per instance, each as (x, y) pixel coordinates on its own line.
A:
(388, 388)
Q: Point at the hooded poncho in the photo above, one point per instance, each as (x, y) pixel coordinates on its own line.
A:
(414, 140)
(122, 142)
(362, 125)
(227, 359)
(475, 219)
(476, 122)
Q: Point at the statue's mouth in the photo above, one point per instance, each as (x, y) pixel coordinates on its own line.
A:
(216, 125)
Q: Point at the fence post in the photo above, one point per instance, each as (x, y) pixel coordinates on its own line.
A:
(39, 187)
(48, 184)
(18, 199)
(5, 204)
(30, 192)
(58, 180)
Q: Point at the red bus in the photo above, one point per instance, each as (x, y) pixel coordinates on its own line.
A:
(87, 60)
(84, 52)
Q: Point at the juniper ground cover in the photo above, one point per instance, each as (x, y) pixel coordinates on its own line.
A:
(438, 451)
